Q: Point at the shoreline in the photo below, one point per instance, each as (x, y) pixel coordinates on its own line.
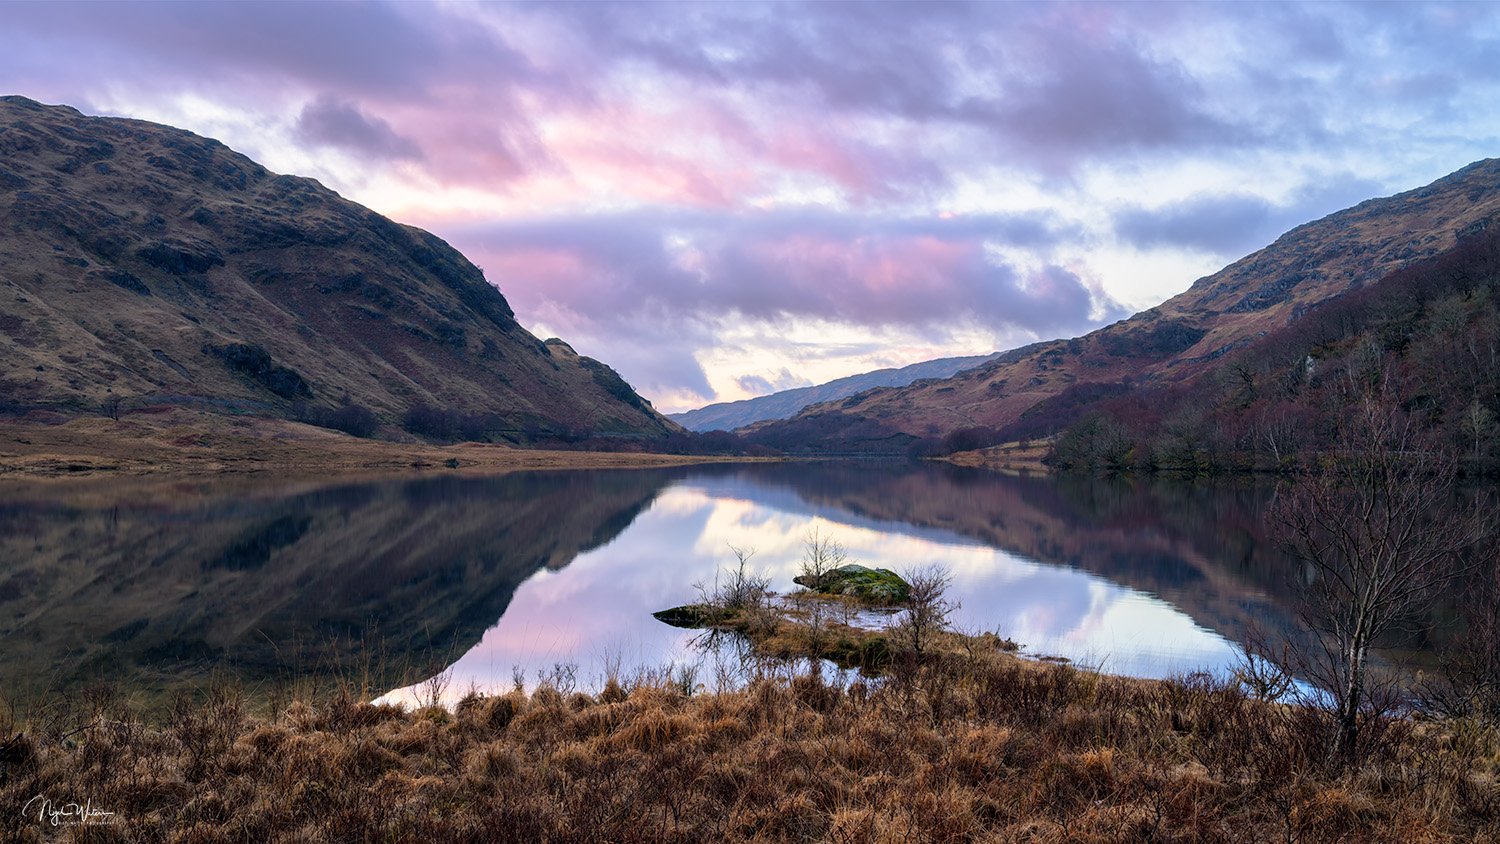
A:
(1013, 458)
(192, 445)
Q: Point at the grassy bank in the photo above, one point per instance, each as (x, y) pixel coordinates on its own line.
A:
(186, 443)
(1022, 457)
(970, 743)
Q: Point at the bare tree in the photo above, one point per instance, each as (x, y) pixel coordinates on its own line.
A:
(1280, 436)
(821, 554)
(1478, 425)
(927, 607)
(1377, 534)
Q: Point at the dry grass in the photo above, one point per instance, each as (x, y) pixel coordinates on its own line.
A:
(183, 443)
(1023, 457)
(972, 745)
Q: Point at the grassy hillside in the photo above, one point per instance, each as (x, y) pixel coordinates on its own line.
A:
(142, 265)
(1425, 340)
(1181, 339)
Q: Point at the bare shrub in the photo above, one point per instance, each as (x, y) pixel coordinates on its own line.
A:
(926, 610)
(1261, 670)
(430, 691)
(738, 587)
(1466, 683)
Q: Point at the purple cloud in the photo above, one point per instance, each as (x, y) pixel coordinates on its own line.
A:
(860, 96)
(655, 289)
(632, 172)
(1043, 84)
(872, 271)
(1235, 223)
(329, 121)
(760, 385)
(1208, 222)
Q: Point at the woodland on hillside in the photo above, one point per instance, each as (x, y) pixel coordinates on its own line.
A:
(1425, 341)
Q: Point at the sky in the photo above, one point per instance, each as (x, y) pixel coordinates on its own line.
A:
(726, 199)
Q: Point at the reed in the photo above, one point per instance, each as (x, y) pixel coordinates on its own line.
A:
(967, 743)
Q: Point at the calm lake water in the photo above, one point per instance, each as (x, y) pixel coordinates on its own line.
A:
(388, 583)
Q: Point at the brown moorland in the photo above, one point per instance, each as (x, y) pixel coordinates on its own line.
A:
(971, 744)
(192, 443)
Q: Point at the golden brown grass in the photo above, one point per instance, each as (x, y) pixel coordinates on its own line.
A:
(1024, 457)
(968, 746)
(188, 443)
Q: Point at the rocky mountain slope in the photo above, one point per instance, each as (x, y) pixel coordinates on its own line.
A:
(1176, 340)
(144, 265)
(727, 416)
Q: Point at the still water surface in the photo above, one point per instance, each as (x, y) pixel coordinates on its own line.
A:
(491, 578)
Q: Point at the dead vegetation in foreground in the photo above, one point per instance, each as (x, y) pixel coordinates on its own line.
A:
(963, 745)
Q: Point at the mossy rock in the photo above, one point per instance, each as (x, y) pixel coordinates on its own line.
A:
(882, 587)
(692, 616)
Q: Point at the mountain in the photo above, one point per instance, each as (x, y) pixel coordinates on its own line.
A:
(142, 265)
(1420, 347)
(1175, 341)
(727, 416)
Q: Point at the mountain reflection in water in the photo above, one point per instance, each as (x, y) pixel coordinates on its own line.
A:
(390, 581)
(1146, 581)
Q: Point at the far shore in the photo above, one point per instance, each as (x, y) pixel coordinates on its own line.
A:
(181, 443)
(1013, 458)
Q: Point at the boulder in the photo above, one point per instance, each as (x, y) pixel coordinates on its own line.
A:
(875, 586)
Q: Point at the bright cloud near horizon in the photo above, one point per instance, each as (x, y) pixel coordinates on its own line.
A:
(726, 199)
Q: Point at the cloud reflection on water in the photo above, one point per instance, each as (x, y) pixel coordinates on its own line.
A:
(598, 608)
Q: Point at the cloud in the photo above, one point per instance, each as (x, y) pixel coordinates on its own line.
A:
(1212, 223)
(1114, 103)
(1050, 88)
(760, 385)
(872, 271)
(659, 291)
(755, 384)
(645, 177)
(329, 121)
(386, 50)
(731, 105)
(1233, 224)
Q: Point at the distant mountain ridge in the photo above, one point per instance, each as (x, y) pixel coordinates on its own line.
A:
(727, 416)
(144, 265)
(1175, 341)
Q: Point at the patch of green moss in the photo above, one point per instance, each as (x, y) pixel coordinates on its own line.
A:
(882, 587)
